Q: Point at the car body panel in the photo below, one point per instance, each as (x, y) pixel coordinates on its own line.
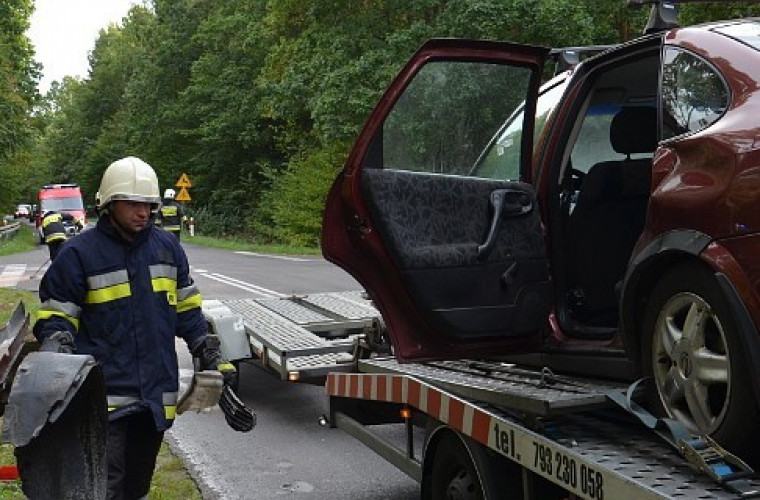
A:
(725, 180)
(736, 258)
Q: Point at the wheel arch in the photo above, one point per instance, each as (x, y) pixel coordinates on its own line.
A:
(660, 255)
(494, 472)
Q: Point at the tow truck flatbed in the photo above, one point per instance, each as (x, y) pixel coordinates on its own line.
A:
(563, 435)
(566, 434)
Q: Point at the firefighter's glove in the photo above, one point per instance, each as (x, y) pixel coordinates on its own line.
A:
(60, 341)
(210, 358)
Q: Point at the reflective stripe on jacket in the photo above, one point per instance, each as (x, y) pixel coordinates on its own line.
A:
(53, 228)
(124, 302)
(170, 216)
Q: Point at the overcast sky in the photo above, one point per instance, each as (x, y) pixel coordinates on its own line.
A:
(64, 31)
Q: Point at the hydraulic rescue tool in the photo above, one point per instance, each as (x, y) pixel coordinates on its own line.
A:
(203, 393)
(237, 414)
(208, 357)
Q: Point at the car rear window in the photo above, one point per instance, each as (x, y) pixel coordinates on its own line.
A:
(694, 95)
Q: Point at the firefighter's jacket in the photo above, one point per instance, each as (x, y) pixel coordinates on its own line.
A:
(124, 302)
(170, 216)
(53, 228)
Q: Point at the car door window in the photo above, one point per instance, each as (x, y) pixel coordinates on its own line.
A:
(694, 94)
(449, 113)
(501, 158)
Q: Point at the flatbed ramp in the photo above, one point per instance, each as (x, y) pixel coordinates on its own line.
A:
(535, 392)
(573, 438)
(308, 336)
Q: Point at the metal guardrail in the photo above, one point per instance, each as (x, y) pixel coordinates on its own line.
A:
(9, 230)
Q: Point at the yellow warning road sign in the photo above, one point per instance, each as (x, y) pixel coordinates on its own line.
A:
(183, 182)
(183, 195)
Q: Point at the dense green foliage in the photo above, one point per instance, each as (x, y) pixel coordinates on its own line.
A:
(18, 79)
(258, 101)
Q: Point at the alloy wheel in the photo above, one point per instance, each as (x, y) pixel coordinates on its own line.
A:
(691, 362)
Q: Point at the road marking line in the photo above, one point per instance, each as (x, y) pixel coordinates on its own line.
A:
(250, 287)
(245, 283)
(11, 275)
(268, 256)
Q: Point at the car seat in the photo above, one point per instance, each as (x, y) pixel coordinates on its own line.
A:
(609, 218)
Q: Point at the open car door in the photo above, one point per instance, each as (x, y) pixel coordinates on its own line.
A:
(446, 238)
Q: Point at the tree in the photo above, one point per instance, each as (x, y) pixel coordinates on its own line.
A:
(260, 101)
(18, 80)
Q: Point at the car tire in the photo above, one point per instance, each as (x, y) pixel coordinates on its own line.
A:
(696, 359)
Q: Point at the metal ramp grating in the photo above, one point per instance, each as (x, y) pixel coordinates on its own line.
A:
(616, 442)
(281, 334)
(294, 311)
(320, 361)
(521, 390)
(311, 334)
(347, 305)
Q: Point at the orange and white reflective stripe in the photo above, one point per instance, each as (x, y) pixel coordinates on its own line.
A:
(465, 418)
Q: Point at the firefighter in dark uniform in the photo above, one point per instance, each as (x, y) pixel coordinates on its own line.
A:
(170, 215)
(54, 231)
(121, 292)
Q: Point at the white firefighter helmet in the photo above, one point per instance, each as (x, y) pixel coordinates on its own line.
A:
(169, 194)
(128, 179)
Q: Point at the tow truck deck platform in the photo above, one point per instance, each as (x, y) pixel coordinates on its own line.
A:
(304, 337)
(561, 428)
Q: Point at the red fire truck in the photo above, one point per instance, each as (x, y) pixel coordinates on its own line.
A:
(63, 198)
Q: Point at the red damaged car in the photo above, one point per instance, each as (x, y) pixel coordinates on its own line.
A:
(605, 223)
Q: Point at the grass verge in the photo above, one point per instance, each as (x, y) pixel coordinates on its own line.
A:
(241, 245)
(23, 241)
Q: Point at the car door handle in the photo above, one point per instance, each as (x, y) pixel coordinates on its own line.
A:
(504, 203)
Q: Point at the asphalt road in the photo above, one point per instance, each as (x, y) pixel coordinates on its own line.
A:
(288, 454)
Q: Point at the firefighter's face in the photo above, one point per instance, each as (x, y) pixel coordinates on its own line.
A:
(130, 216)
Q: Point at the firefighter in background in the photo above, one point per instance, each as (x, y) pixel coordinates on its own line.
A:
(171, 214)
(54, 231)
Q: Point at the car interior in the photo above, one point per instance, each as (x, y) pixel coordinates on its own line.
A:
(605, 189)
(470, 248)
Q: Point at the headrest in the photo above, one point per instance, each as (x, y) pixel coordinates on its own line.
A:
(634, 130)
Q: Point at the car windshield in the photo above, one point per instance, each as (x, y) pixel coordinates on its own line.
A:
(67, 203)
(501, 158)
